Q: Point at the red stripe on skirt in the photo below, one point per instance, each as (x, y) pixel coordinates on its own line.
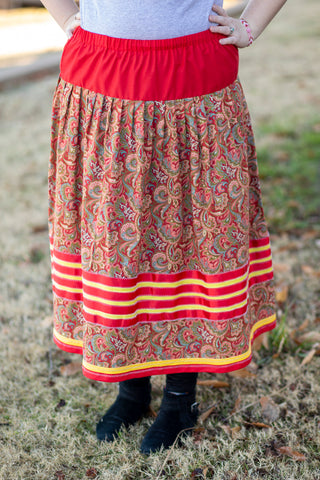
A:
(163, 303)
(63, 285)
(61, 292)
(259, 242)
(183, 289)
(183, 314)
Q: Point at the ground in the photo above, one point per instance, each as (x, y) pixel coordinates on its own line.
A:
(265, 424)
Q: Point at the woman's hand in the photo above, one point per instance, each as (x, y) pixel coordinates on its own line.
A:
(235, 32)
(71, 24)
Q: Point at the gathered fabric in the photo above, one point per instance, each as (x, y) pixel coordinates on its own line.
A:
(161, 259)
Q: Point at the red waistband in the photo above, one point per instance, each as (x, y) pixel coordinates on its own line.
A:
(165, 69)
(114, 43)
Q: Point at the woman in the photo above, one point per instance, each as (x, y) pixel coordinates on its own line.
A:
(161, 261)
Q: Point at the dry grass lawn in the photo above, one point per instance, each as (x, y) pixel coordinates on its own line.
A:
(266, 424)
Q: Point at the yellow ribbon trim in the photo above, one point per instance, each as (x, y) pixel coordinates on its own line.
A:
(66, 340)
(162, 298)
(259, 249)
(178, 308)
(189, 281)
(159, 310)
(182, 361)
(79, 278)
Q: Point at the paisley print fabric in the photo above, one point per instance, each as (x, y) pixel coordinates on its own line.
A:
(160, 252)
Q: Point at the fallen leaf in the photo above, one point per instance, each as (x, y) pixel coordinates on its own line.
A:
(310, 271)
(70, 369)
(213, 383)
(270, 410)
(293, 204)
(252, 367)
(91, 473)
(265, 341)
(226, 429)
(257, 343)
(257, 424)
(60, 475)
(281, 345)
(233, 432)
(197, 435)
(310, 355)
(207, 413)
(310, 234)
(291, 453)
(199, 430)
(261, 341)
(242, 373)
(281, 293)
(151, 412)
(310, 337)
(303, 325)
(39, 228)
(205, 471)
(236, 405)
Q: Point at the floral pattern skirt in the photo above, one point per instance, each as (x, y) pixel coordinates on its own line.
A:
(161, 260)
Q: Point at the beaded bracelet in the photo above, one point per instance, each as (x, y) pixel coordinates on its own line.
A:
(247, 26)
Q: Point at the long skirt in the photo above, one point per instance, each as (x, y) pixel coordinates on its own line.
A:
(161, 260)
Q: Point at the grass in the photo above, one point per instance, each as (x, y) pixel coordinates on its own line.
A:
(279, 337)
(290, 174)
(47, 421)
(46, 442)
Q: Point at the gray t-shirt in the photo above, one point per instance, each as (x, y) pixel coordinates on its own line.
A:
(146, 19)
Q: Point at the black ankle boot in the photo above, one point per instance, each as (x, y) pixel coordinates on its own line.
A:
(131, 404)
(177, 412)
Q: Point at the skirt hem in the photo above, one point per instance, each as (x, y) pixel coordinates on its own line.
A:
(186, 364)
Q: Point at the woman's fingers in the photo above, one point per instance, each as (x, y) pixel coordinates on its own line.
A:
(230, 40)
(219, 10)
(220, 20)
(232, 28)
(72, 23)
(223, 30)
(223, 25)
